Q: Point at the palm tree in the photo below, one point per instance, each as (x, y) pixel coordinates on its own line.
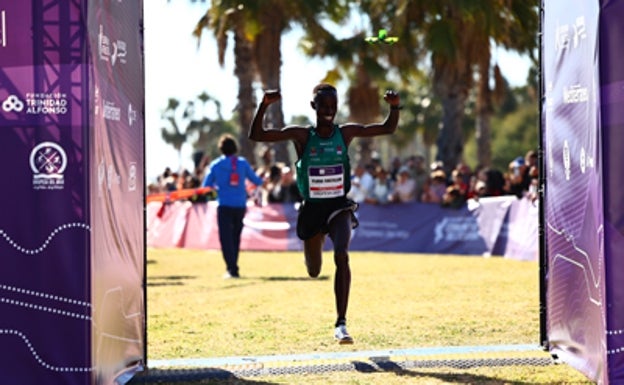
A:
(193, 125)
(258, 27)
(173, 134)
(359, 63)
(456, 35)
(513, 25)
(221, 19)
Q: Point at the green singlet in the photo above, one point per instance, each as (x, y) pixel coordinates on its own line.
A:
(324, 171)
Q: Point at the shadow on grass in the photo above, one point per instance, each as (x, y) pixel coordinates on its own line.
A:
(191, 377)
(284, 278)
(169, 280)
(447, 378)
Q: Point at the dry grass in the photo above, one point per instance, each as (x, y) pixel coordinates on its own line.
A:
(397, 301)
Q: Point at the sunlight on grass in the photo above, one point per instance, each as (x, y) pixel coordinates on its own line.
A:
(397, 301)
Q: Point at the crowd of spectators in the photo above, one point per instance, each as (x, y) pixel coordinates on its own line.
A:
(403, 180)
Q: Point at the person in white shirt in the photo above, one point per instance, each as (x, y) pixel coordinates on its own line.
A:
(361, 184)
(404, 189)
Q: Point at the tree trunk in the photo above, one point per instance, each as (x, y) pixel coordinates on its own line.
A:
(484, 112)
(451, 138)
(244, 71)
(269, 59)
(363, 100)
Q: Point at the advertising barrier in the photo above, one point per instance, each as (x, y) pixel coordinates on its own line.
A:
(583, 217)
(504, 226)
(71, 232)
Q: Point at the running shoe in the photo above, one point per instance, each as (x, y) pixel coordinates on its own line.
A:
(342, 335)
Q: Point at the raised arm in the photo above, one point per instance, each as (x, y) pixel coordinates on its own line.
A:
(388, 126)
(258, 133)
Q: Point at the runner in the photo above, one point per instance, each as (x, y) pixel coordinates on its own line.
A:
(323, 177)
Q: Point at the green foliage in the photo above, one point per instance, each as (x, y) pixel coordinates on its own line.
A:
(514, 135)
(198, 123)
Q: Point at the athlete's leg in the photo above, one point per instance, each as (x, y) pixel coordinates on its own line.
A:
(313, 252)
(340, 234)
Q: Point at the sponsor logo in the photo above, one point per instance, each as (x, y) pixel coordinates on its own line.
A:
(3, 34)
(569, 36)
(104, 49)
(38, 103)
(96, 100)
(566, 159)
(12, 103)
(586, 161)
(113, 51)
(107, 177)
(111, 111)
(132, 115)
(132, 176)
(112, 177)
(453, 229)
(119, 52)
(46, 103)
(48, 161)
(575, 94)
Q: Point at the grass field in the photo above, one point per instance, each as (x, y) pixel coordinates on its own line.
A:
(397, 301)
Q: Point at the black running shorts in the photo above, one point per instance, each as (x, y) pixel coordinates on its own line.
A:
(314, 216)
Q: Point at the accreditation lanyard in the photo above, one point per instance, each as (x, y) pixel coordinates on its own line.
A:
(234, 175)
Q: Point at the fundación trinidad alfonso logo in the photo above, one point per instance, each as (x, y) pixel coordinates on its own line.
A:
(48, 161)
(12, 103)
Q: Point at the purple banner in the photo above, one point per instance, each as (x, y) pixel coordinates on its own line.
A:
(612, 110)
(573, 215)
(45, 228)
(60, 320)
(116, 158)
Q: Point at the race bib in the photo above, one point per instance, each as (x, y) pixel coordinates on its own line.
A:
(234, 179)
(326, 181)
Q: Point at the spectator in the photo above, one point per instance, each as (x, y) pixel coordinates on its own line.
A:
(395, 166)
(361, 183)
(282, 187)
(436, 188)
(453, 197)
(458, 181)
(404, 189)
(418, 170)
(228, 174)
(380, 193)
(517, 172)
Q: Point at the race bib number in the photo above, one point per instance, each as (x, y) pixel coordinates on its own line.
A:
(234, 179)
(326, 181)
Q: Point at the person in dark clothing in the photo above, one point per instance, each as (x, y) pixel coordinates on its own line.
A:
(228, 175)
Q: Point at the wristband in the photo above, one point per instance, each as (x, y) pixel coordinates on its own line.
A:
(397, 107)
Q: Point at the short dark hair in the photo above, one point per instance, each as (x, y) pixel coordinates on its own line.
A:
(227, 145)
(323, 87)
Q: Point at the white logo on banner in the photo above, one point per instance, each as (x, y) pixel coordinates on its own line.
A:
(101, 176)
(46, 103)
(570, 36)
(96, 100)
(48, 161)
(132, 176)
(566, 159)
(112, 177)
(3, 37)
(132, 115)
(12, 103)
(103, 45)
(111, 111)
(115, 51)
(119, 52)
